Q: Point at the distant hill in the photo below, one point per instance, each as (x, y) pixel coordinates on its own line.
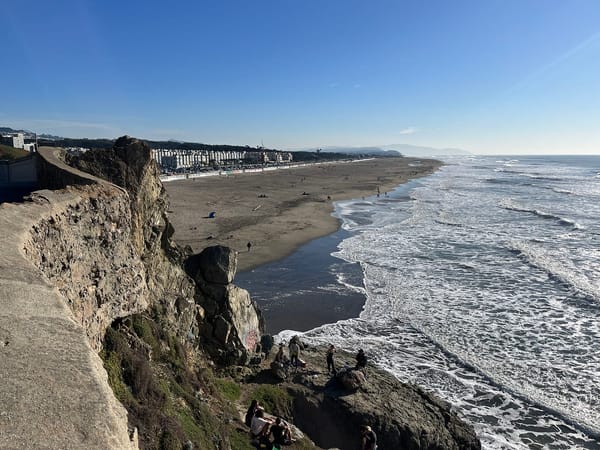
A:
(397, 150)
(418, 150)
(12, 130)
(369, 151)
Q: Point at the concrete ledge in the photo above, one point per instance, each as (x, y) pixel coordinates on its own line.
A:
(54, 391)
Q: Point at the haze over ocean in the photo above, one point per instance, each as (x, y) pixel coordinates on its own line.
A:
(482, 283)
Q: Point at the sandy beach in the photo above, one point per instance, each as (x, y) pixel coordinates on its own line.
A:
(280, 210)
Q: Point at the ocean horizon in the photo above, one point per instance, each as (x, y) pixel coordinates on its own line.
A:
(480, 283)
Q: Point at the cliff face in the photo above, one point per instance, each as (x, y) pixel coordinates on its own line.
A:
(85, 251)
(102, 243)
(54, 392)
(208, 307)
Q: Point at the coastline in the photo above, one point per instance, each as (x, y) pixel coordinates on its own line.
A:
(279, 211)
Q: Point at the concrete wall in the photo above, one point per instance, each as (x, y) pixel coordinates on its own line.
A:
(19, 173)
(54, 391)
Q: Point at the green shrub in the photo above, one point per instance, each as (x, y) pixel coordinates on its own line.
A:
(230, 390)
(240, 440)
(112, 365)
(147, 331)
(274, 399)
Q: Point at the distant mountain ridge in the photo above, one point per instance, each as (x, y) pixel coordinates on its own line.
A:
(419, 150)
(398, 149)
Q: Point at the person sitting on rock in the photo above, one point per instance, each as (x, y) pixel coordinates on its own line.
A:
(368, 438)
(282, 433)
(280, 356)
(361, 359)
(254, 405)
(260, 427)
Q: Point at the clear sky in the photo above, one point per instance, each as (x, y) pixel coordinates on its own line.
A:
(488, 76)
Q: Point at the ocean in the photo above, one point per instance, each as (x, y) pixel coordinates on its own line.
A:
(480, 283)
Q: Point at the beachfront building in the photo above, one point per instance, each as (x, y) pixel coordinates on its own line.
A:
(268, 157)
(180, 160)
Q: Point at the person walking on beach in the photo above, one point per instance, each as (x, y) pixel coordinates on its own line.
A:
(249, 245)
(330, 362)
(368, 438)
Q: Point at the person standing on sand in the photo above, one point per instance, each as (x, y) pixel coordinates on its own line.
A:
(330, 362)
(249, 244)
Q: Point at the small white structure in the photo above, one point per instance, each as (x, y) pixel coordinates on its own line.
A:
(16, 140)
(30, 147)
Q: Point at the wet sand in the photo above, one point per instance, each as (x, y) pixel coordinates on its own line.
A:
(277, 211)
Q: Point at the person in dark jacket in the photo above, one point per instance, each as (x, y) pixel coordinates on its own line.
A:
(361, 359)
(330, 362)
(251, 411)
(368, 438)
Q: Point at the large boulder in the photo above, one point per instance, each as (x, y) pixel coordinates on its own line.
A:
(232, 321)
(351, 379)
(216, 264)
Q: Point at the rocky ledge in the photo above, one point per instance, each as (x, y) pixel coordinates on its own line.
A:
(330, 413)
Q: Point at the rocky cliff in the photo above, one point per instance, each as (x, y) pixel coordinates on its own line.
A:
(100, 240)
(89, 269)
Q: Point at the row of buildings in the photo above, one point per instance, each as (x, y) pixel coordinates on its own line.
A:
(179, 160)
(17, 140)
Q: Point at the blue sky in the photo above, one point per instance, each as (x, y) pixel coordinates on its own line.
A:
(489, 76)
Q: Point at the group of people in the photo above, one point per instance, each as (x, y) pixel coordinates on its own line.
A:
(262, 428)
(294, 353)
(361, 360)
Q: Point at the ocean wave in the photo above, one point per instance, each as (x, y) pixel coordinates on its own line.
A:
(562, 191)
(557, 269)
(510, 205)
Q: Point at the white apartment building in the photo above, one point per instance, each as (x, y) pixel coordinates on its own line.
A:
(179, 159)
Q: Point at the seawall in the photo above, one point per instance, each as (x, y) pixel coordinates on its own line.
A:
(54, 391)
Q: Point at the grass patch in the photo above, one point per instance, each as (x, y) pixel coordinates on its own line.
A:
(112, 364)
(240, 440)
(230, 390)
(274, 399)
(167, 398)
(8, 152)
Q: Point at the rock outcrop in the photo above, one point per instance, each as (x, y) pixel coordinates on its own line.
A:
(204, 308)
(232, 319)
(404, 416)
